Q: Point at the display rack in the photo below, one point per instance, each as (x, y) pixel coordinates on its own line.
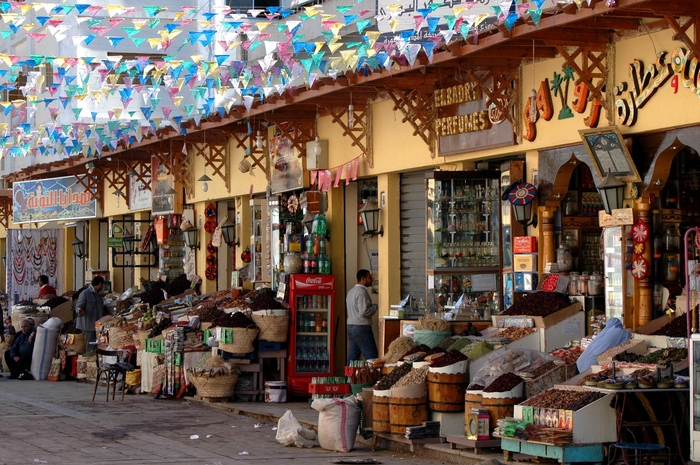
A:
(174, 254)
(261, 261)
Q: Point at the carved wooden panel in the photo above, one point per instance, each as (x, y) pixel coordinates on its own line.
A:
(142, 170)
(360, 132)
(593, 71)
(216, 157)
(579, 222)
(500, 96)
(179, 164)
(5, 210)
(419, 111)
(257, 157)
(92, 183)
(298, 133)
(681, 33)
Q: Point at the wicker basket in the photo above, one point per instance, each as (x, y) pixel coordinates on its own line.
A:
(120, 338)
(241, 341)
(272, 328)
(78, 344)
(214, 386)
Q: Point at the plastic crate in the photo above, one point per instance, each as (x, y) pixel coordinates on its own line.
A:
(266, 346)
(329, 389)
(154, 346)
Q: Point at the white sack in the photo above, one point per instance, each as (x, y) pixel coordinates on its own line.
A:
(44, 350)
(338, 420)
(291, 433)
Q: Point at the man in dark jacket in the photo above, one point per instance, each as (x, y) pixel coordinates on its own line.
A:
(19, 357)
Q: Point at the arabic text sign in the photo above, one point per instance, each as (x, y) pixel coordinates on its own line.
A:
(51, 200)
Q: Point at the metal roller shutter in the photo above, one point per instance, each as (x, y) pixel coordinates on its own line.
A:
(413, 201)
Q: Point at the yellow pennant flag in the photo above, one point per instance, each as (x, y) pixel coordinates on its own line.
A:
(319, 46)
(139, 23)
(179, 83)
(179, 15)
(262, 25)
(8, 17)
(113, 79)
(312, 11)
(233, 45)
(154, 42)
(372, 36)
(394, 23)
(25, 8)
(27, 27)
(117, 112)
(347, 55)
(480, 19)
(177, 101)
(394, 7)
(325, 17)
(97, 95)
(113, 9)
(334, 46)
(457, 10)
(196, 58)
(335, 28)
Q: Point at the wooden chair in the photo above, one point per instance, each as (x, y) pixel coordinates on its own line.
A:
(111, 372)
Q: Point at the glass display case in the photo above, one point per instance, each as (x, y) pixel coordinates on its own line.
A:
(464, 240)
(614, 273)
(694, 358)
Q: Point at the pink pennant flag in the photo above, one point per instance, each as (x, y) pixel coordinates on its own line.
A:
(355, 167)
(321, 180)
(348, 170)
(313, 177)
(338, 174)
(166, 111)
(110, 113)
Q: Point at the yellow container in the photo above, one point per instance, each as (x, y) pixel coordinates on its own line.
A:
(133, 378)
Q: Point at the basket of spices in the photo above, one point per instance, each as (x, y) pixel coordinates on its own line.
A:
(216, 378)
(238, 333)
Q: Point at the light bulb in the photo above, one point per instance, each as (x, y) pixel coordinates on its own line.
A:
(317, 147)
(351, 116)
(205, 187)
(259, 140)
(533, 106)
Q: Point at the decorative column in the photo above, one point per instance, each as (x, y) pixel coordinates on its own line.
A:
(643, 298)
(547, 246)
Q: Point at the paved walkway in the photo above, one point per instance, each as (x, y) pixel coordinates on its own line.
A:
(56, 423)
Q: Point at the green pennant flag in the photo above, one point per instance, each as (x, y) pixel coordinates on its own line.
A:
(317, 57)
(328, 35)
(451, 21)
(153, 23)
(138, 41)
(189, 109)
(130, 31)
(307, 63)
(362, 24)
(344, 8)
(76, 112)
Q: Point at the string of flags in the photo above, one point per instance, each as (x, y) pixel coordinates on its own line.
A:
(121, 99)
(324, 178)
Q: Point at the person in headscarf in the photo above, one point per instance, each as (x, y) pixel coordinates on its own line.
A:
(612, 335)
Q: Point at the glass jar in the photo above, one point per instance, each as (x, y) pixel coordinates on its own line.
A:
(292, 263)
(570, 240)
(672, 238)
(564, 259)
(595, 285)
(671, 268)
(583, 284)
(570, 205)
(573, 283)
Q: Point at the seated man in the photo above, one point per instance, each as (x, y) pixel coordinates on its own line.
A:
(19, 357)
(45, 290)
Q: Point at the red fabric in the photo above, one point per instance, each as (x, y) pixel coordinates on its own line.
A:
(47, 290)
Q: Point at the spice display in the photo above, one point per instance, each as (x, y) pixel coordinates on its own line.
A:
(665, 356)
(54, 302)
(626, 357)
(475, 387)
(513, 333)
(678, 327)
(446, 343)
(178, 285)
(415, 376)
(158, 329)
(238, 302)
(504, 383)
(398, 348)
(365, 375)
(479, 350)
(433, 323)
(563, 399)
(539, 304)
(263, 299)
(206, 313)
(233, 320)
(392, 378)
(419, 348)
(618, 349)
(542, 369)
(449, 358)
(568, 356)
(216, 296)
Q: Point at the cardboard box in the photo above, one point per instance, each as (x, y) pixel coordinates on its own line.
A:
(525, 244)
(636, 346)
(536, 386)
(525, 282)
(525, 262)
(547, 321)
(645, 331)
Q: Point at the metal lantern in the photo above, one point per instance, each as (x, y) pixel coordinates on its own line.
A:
(191, 238)
(521, 196)
(79, 248)
(370, 219)
(228, 233)
(612, 192)
(308, 221)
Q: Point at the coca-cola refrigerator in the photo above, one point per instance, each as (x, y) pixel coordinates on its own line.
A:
(310, 348)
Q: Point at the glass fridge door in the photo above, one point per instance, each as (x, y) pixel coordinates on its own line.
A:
(614, 273)
(312, 335)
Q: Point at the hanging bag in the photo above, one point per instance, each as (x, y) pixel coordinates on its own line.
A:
(217, 239)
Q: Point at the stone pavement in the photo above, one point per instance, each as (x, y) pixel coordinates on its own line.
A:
(56, 423)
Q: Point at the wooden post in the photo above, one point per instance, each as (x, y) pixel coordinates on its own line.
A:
(643, 298)
(547, 245)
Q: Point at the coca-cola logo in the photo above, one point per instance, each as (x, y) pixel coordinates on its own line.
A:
(314, 280)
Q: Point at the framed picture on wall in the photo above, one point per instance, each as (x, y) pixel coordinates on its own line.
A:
(610, 154)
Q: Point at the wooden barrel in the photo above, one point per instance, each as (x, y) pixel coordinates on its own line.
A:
(499, 408)
(405, 412)
(446, 391)
(380, 413)
(470, 401)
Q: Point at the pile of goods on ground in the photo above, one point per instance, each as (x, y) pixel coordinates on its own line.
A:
(538, 304)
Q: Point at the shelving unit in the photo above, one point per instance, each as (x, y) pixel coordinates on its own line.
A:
(173, 254)
(463, 240)
(261, 264)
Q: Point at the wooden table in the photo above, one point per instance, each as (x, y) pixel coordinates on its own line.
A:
(564, 453)
(672, 398)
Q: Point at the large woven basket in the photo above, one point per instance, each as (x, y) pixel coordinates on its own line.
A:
(273, 328)
(78, 345)
(242, 340)
(215, 386)
(120, 338)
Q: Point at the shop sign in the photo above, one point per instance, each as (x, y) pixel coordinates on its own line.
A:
(161, 181)
(51, 200)
(465, 124)
(115, 242)
(645, 81)
(139, 195)
(619, 217)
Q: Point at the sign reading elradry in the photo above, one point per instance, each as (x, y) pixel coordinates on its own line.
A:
(51, 200)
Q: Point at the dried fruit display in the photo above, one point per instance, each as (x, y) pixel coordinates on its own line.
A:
(513, 333)
(678, 327)
(392, 378)
(539, 304)
(504, 383)
(568, 356)
(450, 358)
(563, 399)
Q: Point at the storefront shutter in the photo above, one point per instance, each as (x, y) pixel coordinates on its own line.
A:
(413, 239)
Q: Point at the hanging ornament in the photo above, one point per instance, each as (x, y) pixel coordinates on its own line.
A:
(640, 232)
(640, 268)
(639, 248)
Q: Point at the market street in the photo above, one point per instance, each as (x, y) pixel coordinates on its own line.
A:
(56, 423)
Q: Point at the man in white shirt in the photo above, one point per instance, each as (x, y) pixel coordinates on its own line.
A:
(360, 311)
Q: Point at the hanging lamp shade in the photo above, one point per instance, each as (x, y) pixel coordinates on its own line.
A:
(612, 192)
